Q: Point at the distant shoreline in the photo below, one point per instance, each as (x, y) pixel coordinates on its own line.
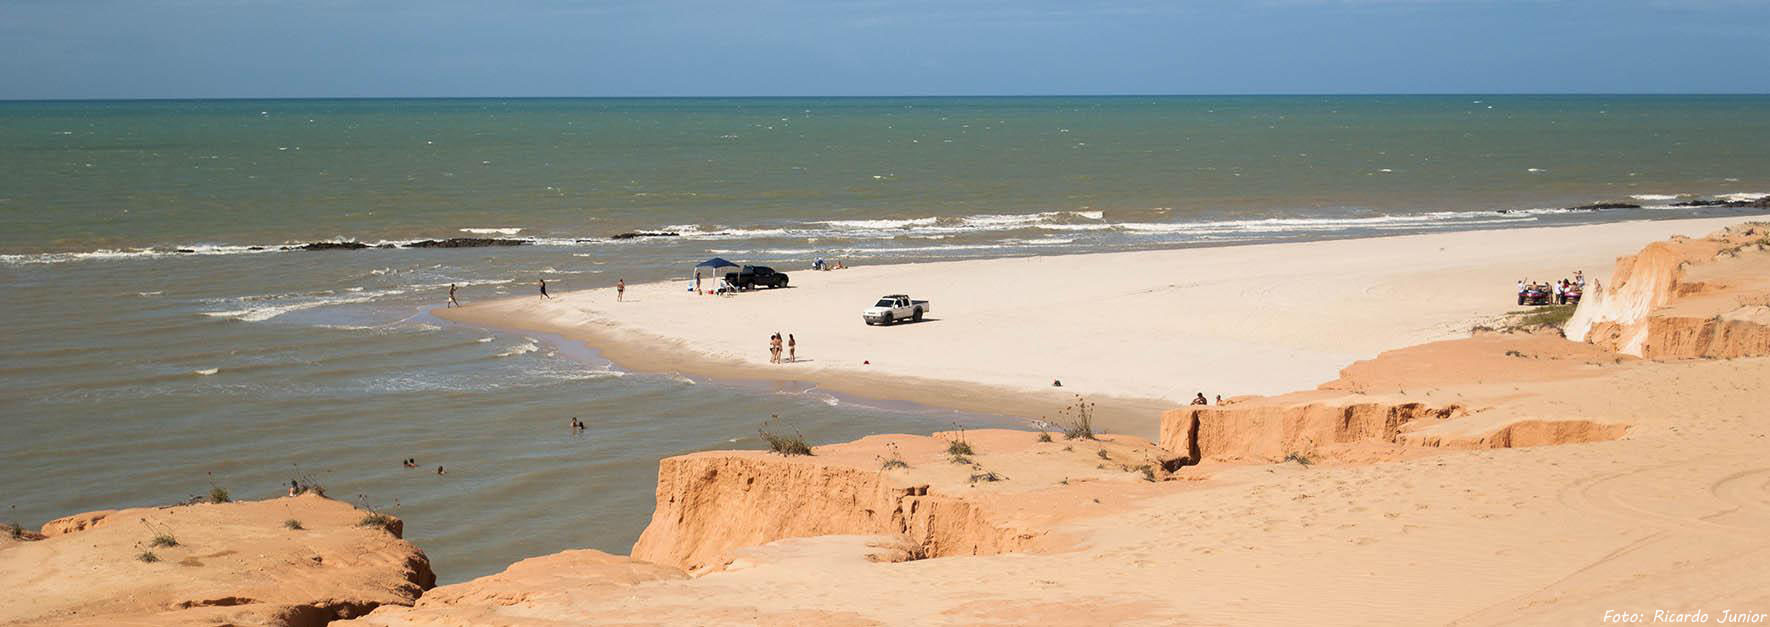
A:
(1395, 295)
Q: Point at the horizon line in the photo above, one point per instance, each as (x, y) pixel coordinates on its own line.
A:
(884, 96)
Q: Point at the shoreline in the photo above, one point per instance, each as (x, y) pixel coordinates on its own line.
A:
(1374, 288)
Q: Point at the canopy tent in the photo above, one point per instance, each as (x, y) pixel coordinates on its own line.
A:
(714, 269)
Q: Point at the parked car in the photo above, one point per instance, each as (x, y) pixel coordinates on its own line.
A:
(752, 277)
(894, 307)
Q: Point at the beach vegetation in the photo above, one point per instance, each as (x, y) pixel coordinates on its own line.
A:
(1301, 459)
(147, 557)
(989, 476)
(377, 519)
(292, 525)
(1537, 318)
(959, 446)
(780, 442)
(1102, 454)
(959, 459)
(14, 530)
(1077, 420)
(1148, 472)
(163, 540)
(1044, 436)
(894, 460)
(217, 494)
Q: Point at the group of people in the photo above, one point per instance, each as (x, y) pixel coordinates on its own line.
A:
(820, 264)
(577, 425)
(774, 348)
(1558, 292)
(412, 462)
(1200, 399)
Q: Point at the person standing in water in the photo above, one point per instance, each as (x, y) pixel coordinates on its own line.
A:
(792, 348)
(452, 301)
(544, 295)
(620, 290)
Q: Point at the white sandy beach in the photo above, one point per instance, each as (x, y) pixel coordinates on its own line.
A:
(1159, 325)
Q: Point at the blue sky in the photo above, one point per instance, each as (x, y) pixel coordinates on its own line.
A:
(370, 48)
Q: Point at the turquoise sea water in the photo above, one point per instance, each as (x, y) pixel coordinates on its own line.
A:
(135, 372)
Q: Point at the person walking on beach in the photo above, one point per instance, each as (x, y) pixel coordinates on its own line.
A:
(697, 283)
(792, 348)
(620, 290)
(544, 295)
(452, 301)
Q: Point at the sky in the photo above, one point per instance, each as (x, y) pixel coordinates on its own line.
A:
(52, 49)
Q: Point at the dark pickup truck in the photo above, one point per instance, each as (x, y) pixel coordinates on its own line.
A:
(752, 277)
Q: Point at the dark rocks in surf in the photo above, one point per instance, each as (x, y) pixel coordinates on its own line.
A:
(639, 234)
(1762, 202)
(329, 246)
(466, 242)
(1599, 206)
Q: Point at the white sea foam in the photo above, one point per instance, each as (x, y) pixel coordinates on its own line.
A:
(277, 307)
(206, 372)
(1742, 197)
(1652, 197)
(485, 339)
(528, 346)
(489, 230)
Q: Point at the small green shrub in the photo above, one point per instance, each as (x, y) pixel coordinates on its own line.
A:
(781, 443)
(1301, 459)
(1103, 455)
(1078, 420)
(986, 476)
(164, 540)
(219, 495)
(14, 530)
(376, 519)
(1044, 436)
(147, 556)
(292, 525)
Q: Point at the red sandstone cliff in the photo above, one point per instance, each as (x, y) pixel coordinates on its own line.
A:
(1685, 298)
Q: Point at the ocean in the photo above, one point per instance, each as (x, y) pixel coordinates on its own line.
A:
(159, 341)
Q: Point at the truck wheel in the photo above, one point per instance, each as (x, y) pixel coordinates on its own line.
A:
(887, 321)
(917, 317)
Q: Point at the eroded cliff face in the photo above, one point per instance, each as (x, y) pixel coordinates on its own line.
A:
(229, 563)
(1685, 298)
(711, 503)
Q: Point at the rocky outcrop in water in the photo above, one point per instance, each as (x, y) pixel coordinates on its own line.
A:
(1761, 202)
(1598, 206)
(639, 234)
(465, 242)
(329, 246)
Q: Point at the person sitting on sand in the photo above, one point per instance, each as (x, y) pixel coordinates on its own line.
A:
(544, 295)
(1200, 399)
(294, 488)
(439, 471)
(452, 301)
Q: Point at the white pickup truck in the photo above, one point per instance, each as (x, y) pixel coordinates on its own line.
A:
(894, 307)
